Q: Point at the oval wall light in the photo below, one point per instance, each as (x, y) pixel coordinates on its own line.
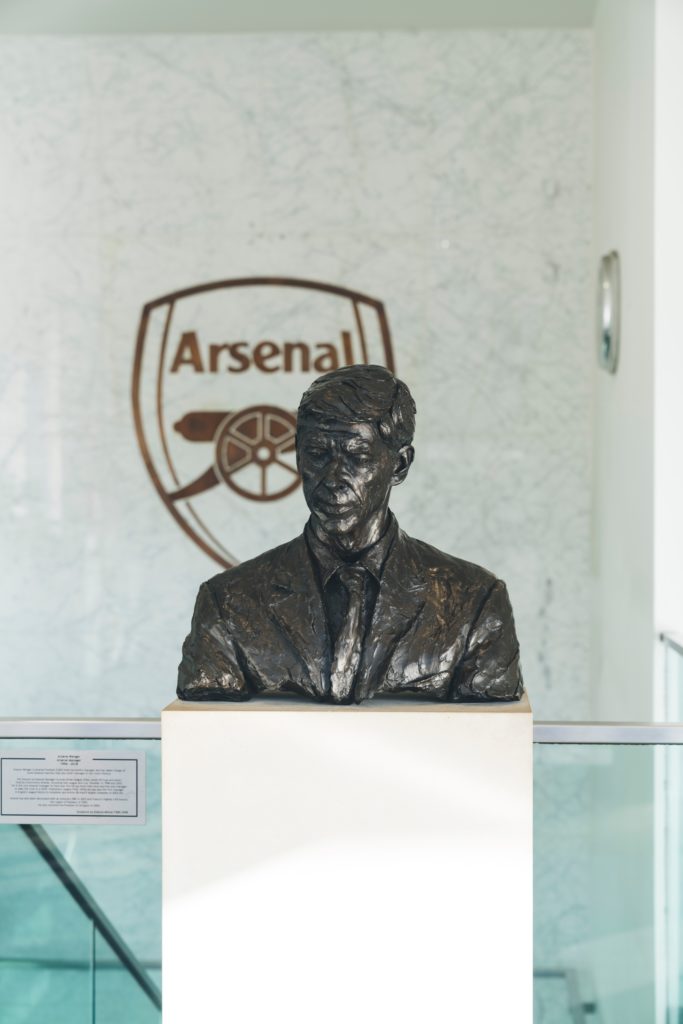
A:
(609, 312)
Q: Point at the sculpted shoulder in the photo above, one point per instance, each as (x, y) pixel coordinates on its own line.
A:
(450, 569)
(257, 574)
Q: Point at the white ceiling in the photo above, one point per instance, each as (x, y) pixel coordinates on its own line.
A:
(102, 16)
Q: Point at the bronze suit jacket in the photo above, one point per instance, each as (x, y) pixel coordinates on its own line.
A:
(442, 629)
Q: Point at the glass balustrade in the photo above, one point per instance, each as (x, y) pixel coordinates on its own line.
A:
(118, 996)
(46, 942)
(669, 820)
(608, 904)
(57, 961)
(595, 915)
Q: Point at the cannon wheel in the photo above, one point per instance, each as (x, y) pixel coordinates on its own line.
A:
(261, 435)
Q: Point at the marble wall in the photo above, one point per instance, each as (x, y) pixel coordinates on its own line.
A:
(447, 174)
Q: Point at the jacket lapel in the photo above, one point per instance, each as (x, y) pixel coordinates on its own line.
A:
(400, 603)
(297, 608)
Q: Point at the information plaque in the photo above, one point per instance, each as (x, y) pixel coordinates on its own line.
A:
(95, 787)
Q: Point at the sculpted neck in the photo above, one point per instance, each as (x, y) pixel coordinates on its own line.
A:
(352, 540)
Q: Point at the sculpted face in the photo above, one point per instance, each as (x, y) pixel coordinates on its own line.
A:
(348, 472)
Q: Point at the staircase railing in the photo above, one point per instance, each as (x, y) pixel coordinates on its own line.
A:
(90, 907)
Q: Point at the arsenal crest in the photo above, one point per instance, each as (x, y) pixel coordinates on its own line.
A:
(219, 370)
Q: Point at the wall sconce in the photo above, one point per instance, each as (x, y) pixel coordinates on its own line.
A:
(609, 312)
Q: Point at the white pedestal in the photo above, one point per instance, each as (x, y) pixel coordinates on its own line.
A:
(351, 865)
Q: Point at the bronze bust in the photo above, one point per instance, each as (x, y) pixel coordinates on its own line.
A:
(353, 608)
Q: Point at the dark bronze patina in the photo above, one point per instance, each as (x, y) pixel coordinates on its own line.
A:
(353, 608)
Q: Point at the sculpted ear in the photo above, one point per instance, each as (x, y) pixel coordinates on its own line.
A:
(404, 461)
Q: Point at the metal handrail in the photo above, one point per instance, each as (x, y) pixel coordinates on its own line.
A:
(72, 883)
(626, 733)
(80, 728)
(674, 640)
(610, 733)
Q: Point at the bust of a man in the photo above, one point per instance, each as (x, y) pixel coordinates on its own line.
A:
(353, 608)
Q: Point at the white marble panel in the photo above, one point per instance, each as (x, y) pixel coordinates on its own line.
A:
(447, 174)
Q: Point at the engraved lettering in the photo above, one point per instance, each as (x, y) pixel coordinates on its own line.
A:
(328, 358)
(263, 353)
(264, 356)
(188, 354)
(302, 349)
(240, 353)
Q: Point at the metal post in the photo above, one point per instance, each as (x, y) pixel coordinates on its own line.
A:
(93, 972)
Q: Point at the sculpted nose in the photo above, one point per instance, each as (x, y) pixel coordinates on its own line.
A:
(335, 474)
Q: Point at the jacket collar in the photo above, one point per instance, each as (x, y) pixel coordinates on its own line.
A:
(297, 606)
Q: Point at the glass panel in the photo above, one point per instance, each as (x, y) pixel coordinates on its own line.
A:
(669, 791)
(45, 940)
(595, 910)
(669, 850)
(120, 865)
(552, 998)
(119, 999)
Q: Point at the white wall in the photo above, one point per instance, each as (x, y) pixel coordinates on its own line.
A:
(668, 319)
(638, 484)
(623, 472)
(622, 912)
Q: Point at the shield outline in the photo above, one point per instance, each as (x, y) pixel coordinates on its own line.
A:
(170, 299)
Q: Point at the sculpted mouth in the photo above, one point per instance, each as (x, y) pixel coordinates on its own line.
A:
(333, 508)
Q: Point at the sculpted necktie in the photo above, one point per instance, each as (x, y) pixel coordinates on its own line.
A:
(347, 649)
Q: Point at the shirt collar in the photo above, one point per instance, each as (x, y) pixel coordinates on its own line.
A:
(372, 559)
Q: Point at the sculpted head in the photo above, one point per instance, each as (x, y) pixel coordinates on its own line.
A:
(354, 443)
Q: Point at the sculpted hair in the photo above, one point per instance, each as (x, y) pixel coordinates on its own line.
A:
(362, 394)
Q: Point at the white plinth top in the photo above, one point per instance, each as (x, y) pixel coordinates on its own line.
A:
(386, 705)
